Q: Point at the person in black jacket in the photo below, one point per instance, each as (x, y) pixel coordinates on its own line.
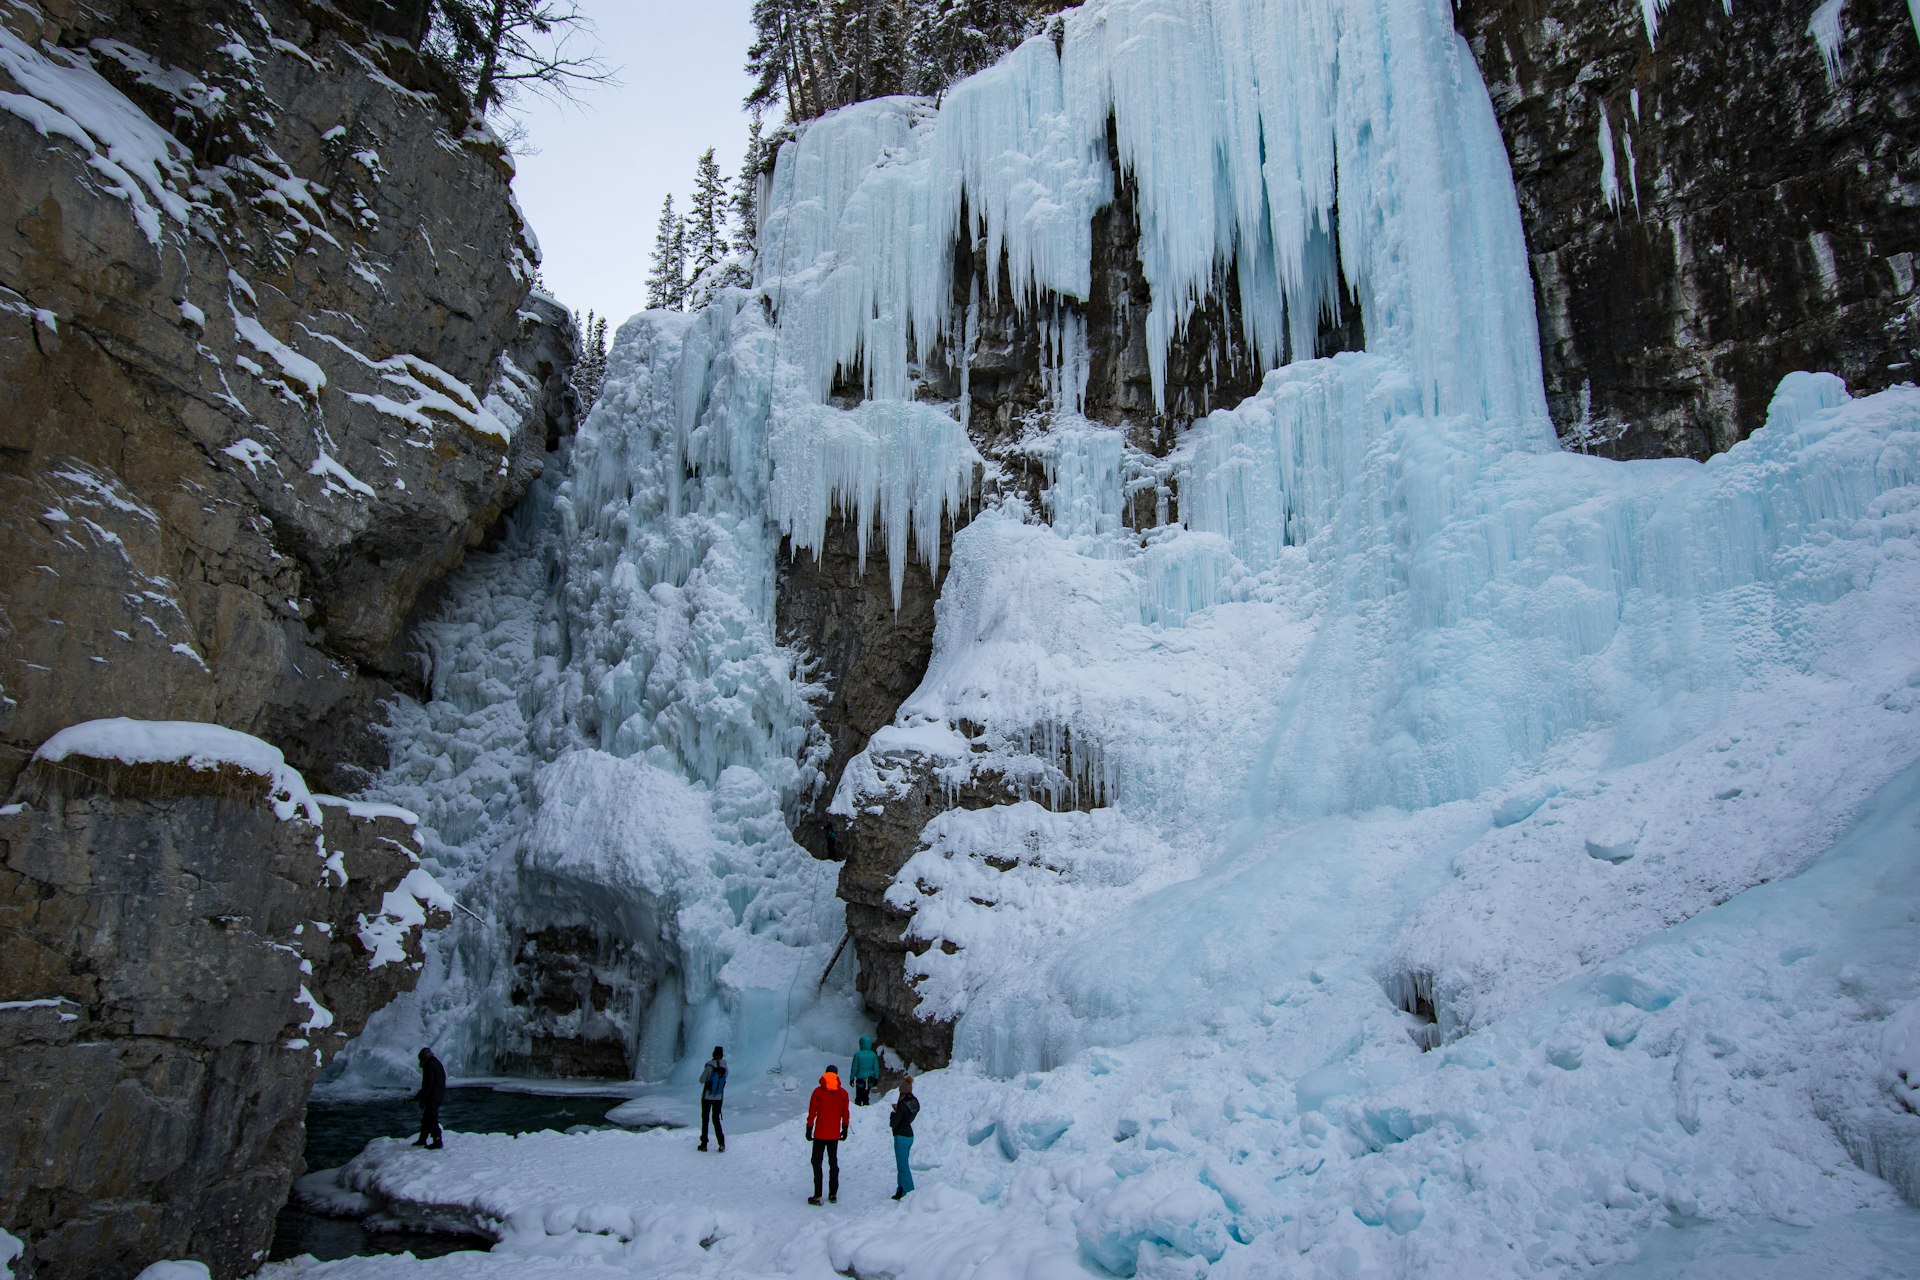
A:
(713, 1091)
(433, 1091)
(901, 1121)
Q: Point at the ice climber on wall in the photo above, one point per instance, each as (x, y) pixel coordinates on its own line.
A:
(713, 1087)
(828, 1117)
(866, 1072)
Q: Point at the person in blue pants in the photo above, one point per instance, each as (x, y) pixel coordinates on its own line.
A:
(901, 1121)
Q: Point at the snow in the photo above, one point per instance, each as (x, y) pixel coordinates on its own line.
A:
(250, 453)
(338, 477)
(295, 366)
(10, 1251)
(9, 1006)
(1432, 853)
(367, 810)
(193, 744)
(142, 163)
(402, 908)
(435, 395)
(175, 1271)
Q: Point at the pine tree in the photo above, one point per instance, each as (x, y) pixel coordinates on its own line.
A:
(952, 39)
(870, 48)
(590, 365)
(667, 285)
(706, 234)
(791, 58)
(746, 191)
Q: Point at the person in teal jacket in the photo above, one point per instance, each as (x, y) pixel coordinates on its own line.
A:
(866, 1071)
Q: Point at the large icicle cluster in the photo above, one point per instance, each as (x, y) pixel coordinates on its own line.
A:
(1284, 146)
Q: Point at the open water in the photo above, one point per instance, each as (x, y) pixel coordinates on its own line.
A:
(337, 1131)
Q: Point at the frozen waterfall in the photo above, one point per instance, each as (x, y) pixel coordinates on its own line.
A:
(1397, 695)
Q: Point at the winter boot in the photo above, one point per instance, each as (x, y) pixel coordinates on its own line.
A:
(813, 1199)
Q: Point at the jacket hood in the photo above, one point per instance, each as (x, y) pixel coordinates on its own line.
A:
(830, 1081)
(866, 1042)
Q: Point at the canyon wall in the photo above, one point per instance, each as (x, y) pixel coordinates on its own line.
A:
(271, 361)
(1708, 207)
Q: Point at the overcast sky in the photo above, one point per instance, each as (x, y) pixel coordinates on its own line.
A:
(605, 162)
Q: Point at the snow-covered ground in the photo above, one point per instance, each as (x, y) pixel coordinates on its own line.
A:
(1505, 861)
(1657, 1111)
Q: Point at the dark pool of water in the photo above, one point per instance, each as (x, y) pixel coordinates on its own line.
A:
(337, 1131)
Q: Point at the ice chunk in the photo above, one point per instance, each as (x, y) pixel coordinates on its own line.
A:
(1900, 1051)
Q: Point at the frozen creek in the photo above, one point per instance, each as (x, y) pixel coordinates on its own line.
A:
(1601, 781)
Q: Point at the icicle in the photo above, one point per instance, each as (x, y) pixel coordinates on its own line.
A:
(1609, 174)
(1827, 26)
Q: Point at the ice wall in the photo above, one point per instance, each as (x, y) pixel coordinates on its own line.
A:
(615, 737)
(1288, 146)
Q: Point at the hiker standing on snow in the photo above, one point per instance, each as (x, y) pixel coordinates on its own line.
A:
(866, 1071)
(713, 1086)
(433, 1091)
(828, 1118)
(901, 1121)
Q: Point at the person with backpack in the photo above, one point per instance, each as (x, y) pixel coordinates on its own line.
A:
(866, 1072)
(433, 1091)
(828, 1120)
(713, 1087)
(901, 1121)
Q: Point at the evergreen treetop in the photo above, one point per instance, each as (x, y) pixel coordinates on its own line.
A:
(667, 284)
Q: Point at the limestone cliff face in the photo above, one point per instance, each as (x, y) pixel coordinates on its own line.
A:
(270, 362)
(181, 961)
(1761, 218)
(262, 380)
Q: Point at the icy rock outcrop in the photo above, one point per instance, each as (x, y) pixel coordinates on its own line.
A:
(187, 943)
(269, 364)
(1760, 219)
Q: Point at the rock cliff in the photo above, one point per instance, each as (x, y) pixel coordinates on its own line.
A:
(1709, 206)
(269, 363)
(271, 360)
(181, 962)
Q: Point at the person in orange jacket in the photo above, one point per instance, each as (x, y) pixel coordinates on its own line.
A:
(828, 1116)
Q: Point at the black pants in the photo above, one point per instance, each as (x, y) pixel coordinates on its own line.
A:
(860, 1092)
(430, 1123)
(710, 1110)
(829, 1147)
